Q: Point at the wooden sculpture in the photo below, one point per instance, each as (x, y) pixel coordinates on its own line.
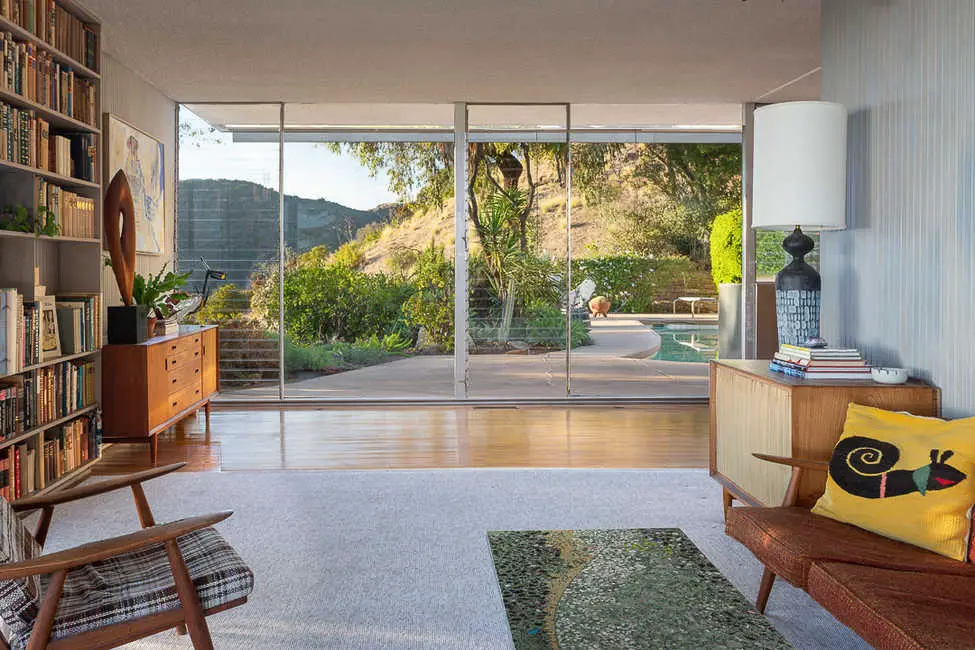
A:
(120, 234)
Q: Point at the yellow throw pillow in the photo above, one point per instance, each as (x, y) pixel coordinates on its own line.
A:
(905, 477)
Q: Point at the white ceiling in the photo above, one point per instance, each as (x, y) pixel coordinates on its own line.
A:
(433, 51)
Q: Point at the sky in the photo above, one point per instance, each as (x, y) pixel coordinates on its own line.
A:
(310, 171)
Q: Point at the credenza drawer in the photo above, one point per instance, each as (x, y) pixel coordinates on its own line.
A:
(183, 399)
(184, 377)
(188, 357)
(183, 345)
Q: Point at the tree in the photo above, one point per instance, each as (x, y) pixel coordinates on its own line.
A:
(704, 179)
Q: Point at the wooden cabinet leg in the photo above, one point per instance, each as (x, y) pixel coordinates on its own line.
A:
(154, 449)
(206, 411)
(728, 499)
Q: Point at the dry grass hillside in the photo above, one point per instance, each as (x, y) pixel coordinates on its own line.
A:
(589, 229)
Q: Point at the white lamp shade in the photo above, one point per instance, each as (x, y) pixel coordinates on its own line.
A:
(799, 171)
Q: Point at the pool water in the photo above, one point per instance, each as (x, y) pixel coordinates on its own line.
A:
(686, 342)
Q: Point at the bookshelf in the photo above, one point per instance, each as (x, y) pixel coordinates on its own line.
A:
(50, 141)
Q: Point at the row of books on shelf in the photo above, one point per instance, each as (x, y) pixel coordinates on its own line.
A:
(74, 214)
(45, 395)
(27, 140)
(51, 327)
(57, 391)
(35, 75)
(64, 449)
(820, 363)
(55, 26)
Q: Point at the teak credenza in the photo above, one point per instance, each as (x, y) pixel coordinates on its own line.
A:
(148, 387)
(756, 410)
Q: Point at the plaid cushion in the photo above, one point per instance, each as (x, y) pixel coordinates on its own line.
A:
(18, 598)
(141, 583)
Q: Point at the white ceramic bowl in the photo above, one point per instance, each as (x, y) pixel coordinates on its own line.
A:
(889, 375)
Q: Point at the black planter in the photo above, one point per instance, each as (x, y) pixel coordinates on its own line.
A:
(127, 325)
(797, 293)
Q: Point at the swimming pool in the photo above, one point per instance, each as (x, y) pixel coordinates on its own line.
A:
(687, 342)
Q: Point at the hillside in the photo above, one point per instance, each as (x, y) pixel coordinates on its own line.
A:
(589, 228)
(238, 221)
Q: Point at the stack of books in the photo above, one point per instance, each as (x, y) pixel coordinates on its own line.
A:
(820, 363)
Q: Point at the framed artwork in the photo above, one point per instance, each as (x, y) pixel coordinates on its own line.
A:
(142, 157)
(50, 337)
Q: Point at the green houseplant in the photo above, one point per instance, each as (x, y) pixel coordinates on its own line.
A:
(160, 292)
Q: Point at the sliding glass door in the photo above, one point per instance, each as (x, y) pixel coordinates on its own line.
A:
(517, 217)
(227, 237)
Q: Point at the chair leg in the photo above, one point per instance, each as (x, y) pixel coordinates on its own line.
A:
(195, 621)
(764, 589)
(727, 499)
(181, 629)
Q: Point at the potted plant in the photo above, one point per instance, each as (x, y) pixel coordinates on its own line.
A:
(18, 219)
(159, 293)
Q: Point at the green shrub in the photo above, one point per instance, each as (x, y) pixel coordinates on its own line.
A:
(431, 306)
(545, 326)
(337, 356)
(726, 247)
(624, 279)
(225, 304)
(326, 303)
(349, 255)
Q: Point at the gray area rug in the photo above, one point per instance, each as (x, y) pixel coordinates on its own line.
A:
(400, 559)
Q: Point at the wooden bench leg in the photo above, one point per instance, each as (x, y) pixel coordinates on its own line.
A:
(764, 589)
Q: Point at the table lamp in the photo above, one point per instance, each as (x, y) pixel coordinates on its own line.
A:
(799, 181)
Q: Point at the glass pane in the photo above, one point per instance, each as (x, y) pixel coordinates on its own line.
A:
(643, 264)
(368, 281)
(227, 238)
(517, 235)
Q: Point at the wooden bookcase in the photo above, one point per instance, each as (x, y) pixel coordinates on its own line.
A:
(62, 264)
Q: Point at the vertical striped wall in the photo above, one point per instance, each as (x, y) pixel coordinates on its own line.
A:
(900, 281)
(130, 97)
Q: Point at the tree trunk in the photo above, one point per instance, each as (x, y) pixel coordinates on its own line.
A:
(511, 169)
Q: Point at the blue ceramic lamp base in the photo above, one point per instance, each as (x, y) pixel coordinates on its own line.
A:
(797, 293)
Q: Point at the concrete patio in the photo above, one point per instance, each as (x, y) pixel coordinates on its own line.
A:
(617, 364)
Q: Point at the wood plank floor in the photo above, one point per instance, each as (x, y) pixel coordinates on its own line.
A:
(410, 438)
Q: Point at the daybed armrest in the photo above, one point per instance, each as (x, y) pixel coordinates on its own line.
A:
(798, 465)
(92, 489)
(801, 463)
(104, 549)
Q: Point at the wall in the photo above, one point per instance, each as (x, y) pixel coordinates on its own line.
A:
(128, 96)
(899, 281)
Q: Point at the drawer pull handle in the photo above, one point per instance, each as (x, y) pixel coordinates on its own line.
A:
(173, 346)
(196, 371)
(175, 403)
(174, 380)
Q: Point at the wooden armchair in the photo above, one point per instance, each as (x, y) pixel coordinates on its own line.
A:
(108, 593)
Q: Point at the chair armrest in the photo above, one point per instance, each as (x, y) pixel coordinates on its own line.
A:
(801, 463)
(104, 549)
(92, 489)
